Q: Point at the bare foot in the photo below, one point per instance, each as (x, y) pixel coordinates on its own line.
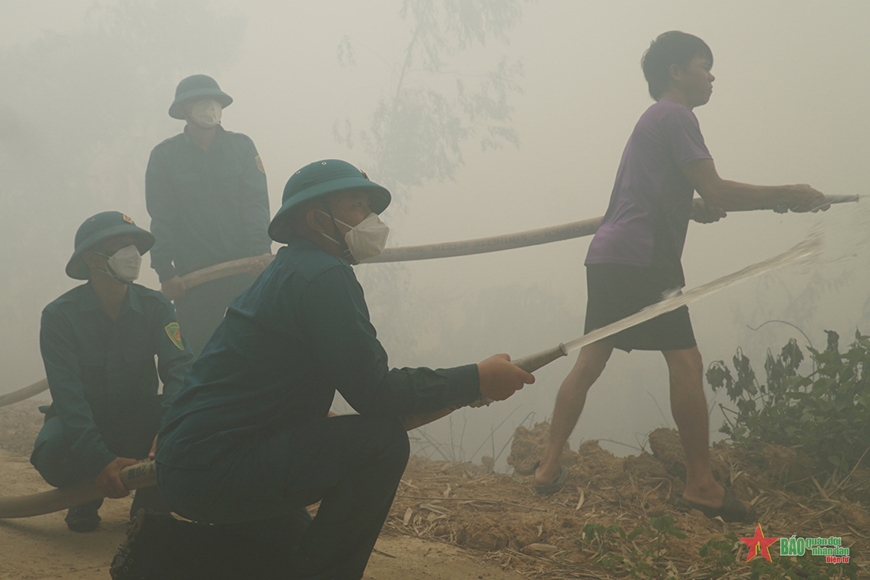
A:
(711, 496)
(547, 473)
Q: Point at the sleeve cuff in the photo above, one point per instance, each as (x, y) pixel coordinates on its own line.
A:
(468, 380)
(165, 273)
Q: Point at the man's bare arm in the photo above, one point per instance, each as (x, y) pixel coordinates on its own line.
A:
(735, 196)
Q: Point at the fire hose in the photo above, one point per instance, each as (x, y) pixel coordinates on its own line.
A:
(25, 393)
(404, 254)
(143, 474)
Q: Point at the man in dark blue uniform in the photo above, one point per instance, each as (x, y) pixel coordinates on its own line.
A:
(206, 192)
(248, 438)
(98, 343)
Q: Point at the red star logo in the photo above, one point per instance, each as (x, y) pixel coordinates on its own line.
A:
(758, 542)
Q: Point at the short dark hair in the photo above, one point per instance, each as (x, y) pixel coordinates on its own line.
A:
(673, 47)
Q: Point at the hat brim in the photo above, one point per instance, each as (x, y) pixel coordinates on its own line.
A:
(176, 109)
(76, 267)
(281, 230)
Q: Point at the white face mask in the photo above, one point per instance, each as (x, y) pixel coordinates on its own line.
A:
(206, 113)
(124, 264)
(365, 240)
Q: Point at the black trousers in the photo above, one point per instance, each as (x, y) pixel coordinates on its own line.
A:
(202, 308)
(615, 291)
(127, 432)
(351, 464)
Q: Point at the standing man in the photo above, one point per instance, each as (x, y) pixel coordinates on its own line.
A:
(98, 343)
(248, 438)
(206, 192)
(635, 257)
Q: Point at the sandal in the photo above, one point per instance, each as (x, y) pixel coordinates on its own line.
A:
(554, 486)
(732, 509)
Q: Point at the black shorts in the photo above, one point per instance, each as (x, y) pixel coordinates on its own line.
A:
(616, 291)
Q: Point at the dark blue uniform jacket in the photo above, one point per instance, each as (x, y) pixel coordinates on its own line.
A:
(206, 207)
(300, 333)
(98, 367)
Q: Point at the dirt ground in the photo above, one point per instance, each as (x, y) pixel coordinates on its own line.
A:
(459, 520)
(41, 548)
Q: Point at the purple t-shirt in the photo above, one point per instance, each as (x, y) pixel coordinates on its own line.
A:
(648, 215)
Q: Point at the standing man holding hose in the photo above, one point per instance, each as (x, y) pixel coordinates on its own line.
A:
(206, 193)
(635, 257)
(248, 438)
(98, 343)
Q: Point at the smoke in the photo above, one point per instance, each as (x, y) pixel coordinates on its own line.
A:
(508, 116)
(79, 113)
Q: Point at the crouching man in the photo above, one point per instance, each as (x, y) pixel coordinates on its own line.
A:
(98, 343)
(248, 438)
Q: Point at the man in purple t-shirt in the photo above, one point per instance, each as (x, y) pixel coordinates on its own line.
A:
(634, 259)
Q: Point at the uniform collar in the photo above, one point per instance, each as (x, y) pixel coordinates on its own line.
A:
(219, 133)
(297, 241)
(89, 300)
(133, 300)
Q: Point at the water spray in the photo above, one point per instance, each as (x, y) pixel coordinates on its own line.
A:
(804, 250)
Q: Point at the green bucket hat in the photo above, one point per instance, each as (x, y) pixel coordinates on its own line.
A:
(317, 180)
(103, 226)
(197, 87)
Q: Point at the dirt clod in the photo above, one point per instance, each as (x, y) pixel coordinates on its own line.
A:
(605, 499)
(502, 514)
(528, 446)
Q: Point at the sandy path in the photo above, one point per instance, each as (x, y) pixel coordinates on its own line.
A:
(42, 548)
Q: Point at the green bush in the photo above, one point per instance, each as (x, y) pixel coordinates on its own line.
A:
(824, 414)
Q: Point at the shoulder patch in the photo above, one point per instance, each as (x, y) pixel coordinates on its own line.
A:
(174, 333)
(260, 165)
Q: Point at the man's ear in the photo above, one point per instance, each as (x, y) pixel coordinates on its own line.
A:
(675, 72)
(91, 259)
(317, 221)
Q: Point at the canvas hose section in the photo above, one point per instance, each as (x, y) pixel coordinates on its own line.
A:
(143, 474)
(405, 254)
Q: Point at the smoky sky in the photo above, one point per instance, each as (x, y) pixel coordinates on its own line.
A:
(87, 87)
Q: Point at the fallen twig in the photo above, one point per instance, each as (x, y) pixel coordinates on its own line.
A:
(471, 499)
